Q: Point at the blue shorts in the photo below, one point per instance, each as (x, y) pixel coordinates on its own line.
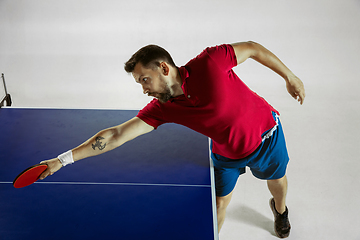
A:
(268, 161)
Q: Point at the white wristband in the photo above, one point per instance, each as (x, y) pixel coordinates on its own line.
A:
(66, 158)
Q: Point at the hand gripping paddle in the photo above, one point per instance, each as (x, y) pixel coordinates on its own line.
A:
(29, 175)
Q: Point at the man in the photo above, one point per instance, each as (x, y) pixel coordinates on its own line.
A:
(207, 96)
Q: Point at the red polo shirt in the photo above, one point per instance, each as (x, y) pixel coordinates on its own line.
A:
(215, 103)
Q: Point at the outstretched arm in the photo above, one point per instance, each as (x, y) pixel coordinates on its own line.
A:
(245, 50)
(102, 142)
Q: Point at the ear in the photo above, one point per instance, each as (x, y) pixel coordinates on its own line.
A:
(164, 68)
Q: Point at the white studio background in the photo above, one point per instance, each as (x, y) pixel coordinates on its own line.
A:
(70, 54)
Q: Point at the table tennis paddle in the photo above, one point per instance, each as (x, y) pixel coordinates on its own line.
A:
(29, 175)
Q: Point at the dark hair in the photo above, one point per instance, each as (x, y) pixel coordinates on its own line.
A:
(150, 57)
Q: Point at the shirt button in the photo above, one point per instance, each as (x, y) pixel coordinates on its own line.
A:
(189, 96)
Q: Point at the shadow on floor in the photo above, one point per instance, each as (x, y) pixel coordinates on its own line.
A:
(251, 217)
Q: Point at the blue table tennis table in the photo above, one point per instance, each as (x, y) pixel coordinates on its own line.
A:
(157, 186)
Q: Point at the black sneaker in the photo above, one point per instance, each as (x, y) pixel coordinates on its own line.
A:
(282, 224)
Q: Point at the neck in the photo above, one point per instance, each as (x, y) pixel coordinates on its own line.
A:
(176, 83)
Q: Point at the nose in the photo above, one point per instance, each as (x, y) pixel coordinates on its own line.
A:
(145, 90)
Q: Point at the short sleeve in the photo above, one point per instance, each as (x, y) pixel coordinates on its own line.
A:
(152, 114)
(223, 55)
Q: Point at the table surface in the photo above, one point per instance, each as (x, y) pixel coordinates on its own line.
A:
(157, 186)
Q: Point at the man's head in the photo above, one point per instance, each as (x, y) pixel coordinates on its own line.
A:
(151, 67)
(149, 56)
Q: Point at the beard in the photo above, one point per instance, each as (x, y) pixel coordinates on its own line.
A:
(163, 97)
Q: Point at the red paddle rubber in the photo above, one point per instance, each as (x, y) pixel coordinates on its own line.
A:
(29, 175)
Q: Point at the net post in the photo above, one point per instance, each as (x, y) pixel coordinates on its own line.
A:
(7, 99)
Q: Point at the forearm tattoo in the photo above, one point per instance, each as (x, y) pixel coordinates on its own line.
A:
(98, 143)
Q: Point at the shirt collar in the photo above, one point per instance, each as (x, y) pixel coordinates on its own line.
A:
(188, 96)
(184, 74)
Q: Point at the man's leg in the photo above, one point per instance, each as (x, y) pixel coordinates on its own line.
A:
(278, 189)
(221, 205)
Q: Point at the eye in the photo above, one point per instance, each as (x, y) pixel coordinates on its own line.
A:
(145, 79)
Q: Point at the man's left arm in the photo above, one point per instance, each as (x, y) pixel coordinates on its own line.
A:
(245, 50)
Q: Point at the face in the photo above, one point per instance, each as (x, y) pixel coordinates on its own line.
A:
(152, 81)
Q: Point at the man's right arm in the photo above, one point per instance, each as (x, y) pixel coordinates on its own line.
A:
(102, 142)
(245, 50)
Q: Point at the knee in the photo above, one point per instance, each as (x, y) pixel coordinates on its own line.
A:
(223, 202)
(282, 180)
(220, 204)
